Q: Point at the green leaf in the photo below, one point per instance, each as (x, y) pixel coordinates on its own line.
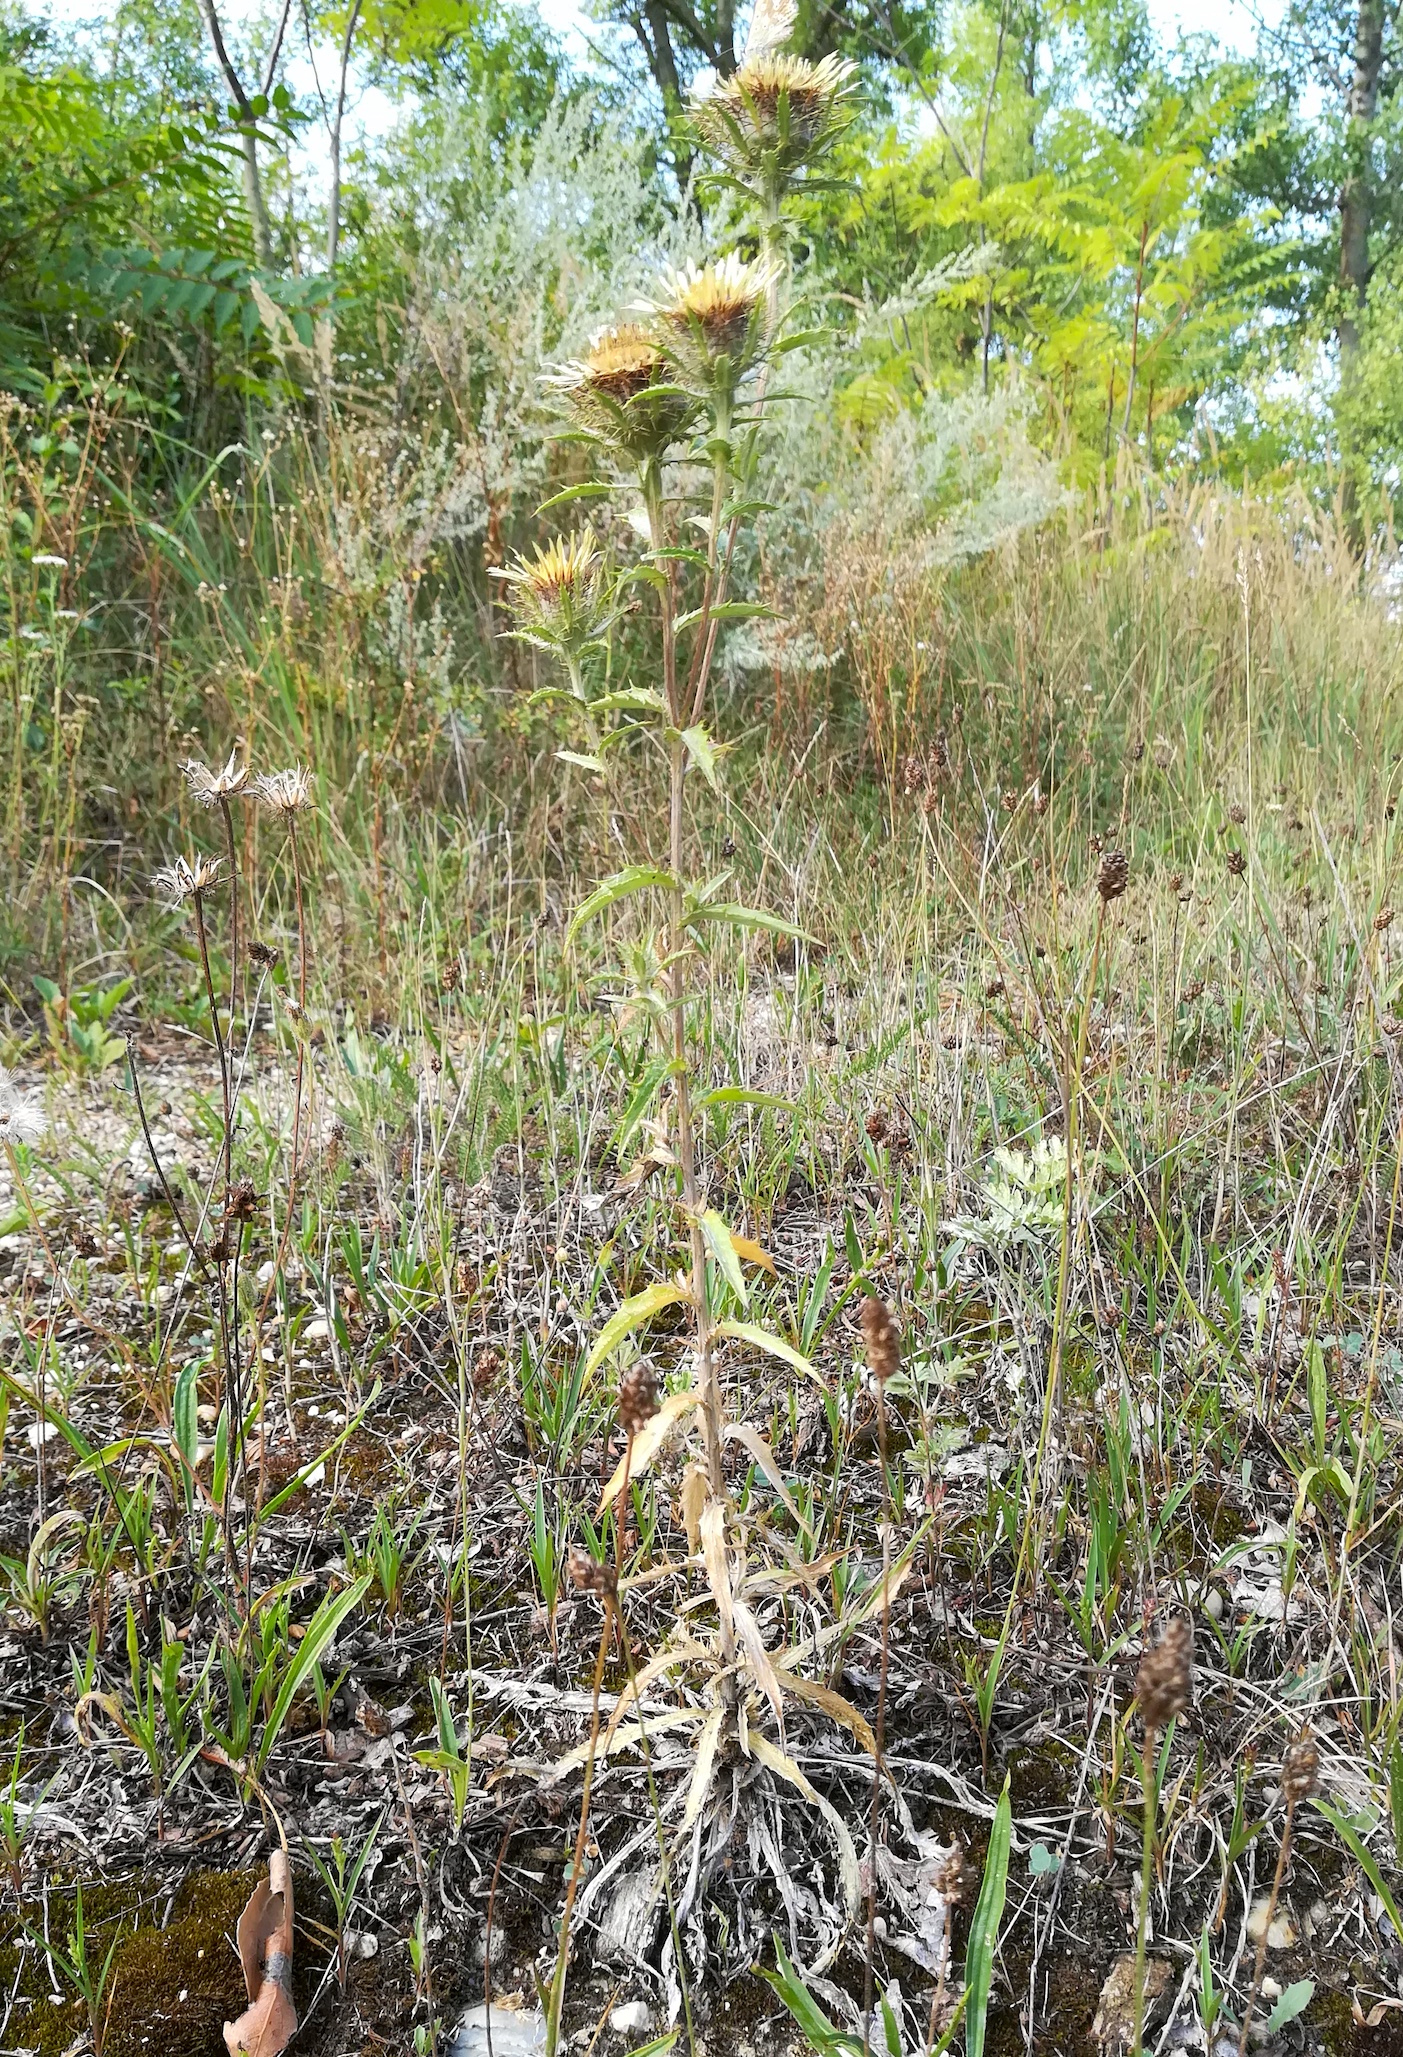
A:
(635, 878)
(1363, 1856)
(624, 1320)
(703, 753)
(727, 610)
(765, 1339)
(578, 757)
(592, 489)
(984, 1928)
(632, 699)
(184, 1423)
(321, 1631)
(747, 918)
(741, 1096)
(718, 1241)
(1293, 2001)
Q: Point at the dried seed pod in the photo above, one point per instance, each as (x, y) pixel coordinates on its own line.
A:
(1382, 920)
(1237, 863)
(590, 1576)
(877, 1125)
(1237, 815)
(243, 1202)
(638, 1398)
(1164, 1681)
(1113, 874)
(1176, 881)
(952, 1878)
(1300, 1770)
(881, 1338)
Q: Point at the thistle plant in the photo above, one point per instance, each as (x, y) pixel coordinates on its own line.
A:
(678, 388)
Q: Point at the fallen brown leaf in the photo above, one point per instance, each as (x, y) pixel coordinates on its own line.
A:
(264, 1934)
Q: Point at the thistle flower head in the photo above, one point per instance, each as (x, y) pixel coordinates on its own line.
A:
(287, 792)
(714, 315)
(622, 391)
(188, 878)
(208, 788)
(21, 1118)
(559, 595)
(775, 113)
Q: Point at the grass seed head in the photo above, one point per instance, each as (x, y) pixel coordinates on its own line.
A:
(590, 1575)
(1164, 1681)
(1112, 874)
(1237, 863)
(638, 1399)
(1300, 1770)
(881, 1338)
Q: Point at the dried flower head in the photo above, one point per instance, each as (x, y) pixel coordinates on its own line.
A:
(1164, 1680)
(881, 1338)
(21, 1118)
(243, 1201)
(590, 1575)
(1383, 920)
(775, 113)
(1237, 863)
(713, 317)
(208, 788)
(559, 596)
(188, 878)
(264, 955)
(638, 1399)
(1300, 1770)
(622, 391)
(288, 793)
(953, 1878)
(1113, 874)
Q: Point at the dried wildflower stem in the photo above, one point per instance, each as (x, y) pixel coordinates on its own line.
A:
(1147, 1866)
(875, 1813)
(664, 1860)
(557, 1991)
(1299, 1777)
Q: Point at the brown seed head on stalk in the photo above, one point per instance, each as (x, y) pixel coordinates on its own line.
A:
(952, 1879)
(1237, 863)
(590, 1575)
(1164, 1681)
(1382, 920)
(638, 1399)
(1300, 1770)
(1112, 874)
(881, 1338)
(243, 1202)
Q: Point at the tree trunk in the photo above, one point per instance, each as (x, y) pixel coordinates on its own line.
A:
(1355, 193)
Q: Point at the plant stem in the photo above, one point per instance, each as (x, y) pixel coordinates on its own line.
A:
(1259, 1964)
(1147, 1865)
(557, 1991)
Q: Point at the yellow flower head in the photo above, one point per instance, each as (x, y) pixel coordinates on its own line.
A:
(716, 311)
(775, 106)
(559, 594)
(622, 391)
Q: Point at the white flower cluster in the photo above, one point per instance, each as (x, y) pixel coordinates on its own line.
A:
(21, 1119)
